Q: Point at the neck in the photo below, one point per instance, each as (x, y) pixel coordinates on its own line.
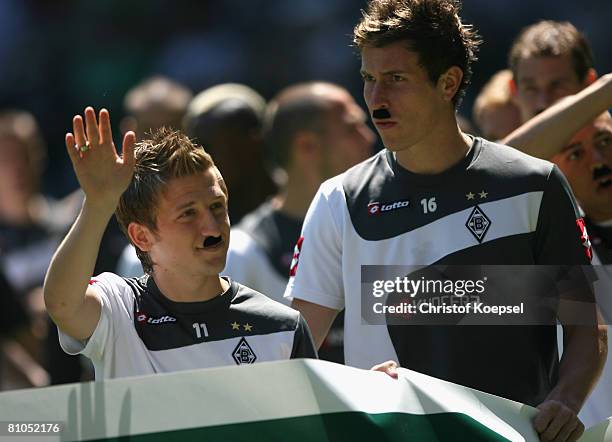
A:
(299, 192)
(441, 149)
(183, 288)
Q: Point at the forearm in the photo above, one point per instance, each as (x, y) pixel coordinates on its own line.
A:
(73, 263)
(547, 133)
(318, 318)
(583, 360)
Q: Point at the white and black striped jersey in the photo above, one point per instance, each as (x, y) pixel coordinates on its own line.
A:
(496, 206)
(140, 331)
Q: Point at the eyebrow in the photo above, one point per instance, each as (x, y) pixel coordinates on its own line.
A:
(602, 133)
(185, 205)
(392, 72)
(571, 146)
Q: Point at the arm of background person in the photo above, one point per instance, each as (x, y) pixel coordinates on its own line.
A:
(547, 133)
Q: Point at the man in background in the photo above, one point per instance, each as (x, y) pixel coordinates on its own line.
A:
(313, 131)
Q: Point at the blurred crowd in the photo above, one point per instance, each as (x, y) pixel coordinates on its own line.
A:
(248, 87)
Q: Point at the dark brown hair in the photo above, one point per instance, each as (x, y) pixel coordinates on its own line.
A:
(431, 28)
(552, 39)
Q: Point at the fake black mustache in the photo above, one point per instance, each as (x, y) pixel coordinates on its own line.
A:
(381, 114)
(601, 171)
(212, 241)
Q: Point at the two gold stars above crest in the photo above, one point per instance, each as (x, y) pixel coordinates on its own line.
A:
(246, 327)
(471, 196)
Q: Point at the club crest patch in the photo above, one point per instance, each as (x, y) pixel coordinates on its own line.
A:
(243, 353)
(478, 223)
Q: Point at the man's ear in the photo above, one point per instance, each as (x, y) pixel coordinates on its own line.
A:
(141, 236)
(513, 87)
(449, 82)
(590, 77)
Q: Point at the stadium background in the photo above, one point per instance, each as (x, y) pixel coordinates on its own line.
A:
(57, 56)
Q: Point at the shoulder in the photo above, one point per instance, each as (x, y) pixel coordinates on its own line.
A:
(256, 304)
(509, 162)
(110, 280)
(115, 289)
(370, 172)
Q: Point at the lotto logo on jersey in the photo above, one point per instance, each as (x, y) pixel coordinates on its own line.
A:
(296, 257)
(144, 318)
(377, 208)
(584, 238)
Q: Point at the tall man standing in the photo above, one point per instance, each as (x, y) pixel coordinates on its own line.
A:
(416, 57)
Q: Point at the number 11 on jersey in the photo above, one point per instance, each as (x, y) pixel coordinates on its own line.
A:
(200, 329)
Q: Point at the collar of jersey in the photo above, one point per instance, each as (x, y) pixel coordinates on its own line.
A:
(218, 302)
(438, 179)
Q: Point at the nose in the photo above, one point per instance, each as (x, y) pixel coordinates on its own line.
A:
(376, 96)
(210, 225)
(598, 161)
(544, 100)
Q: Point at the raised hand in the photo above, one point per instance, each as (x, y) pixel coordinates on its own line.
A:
(102, 173)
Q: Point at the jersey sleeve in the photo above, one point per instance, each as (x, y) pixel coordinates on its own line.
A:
(316, 269)
(563, 246)
(561, 236)
(303, 346)
(117, 305)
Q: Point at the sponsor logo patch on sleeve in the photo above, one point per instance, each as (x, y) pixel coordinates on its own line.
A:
(296, 257)
(584, 238)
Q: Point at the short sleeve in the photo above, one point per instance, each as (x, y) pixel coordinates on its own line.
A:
(316, 269)
(303, 346)
(562, 243)
(114, 303)
(561, 236)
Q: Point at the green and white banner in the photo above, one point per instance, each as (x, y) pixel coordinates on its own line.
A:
(300, 400)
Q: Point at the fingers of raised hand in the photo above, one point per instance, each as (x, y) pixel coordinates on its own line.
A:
(106, 133)
(90, 133)
(127, 148)
(91, 126)
(79, 130)
(71, 146)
